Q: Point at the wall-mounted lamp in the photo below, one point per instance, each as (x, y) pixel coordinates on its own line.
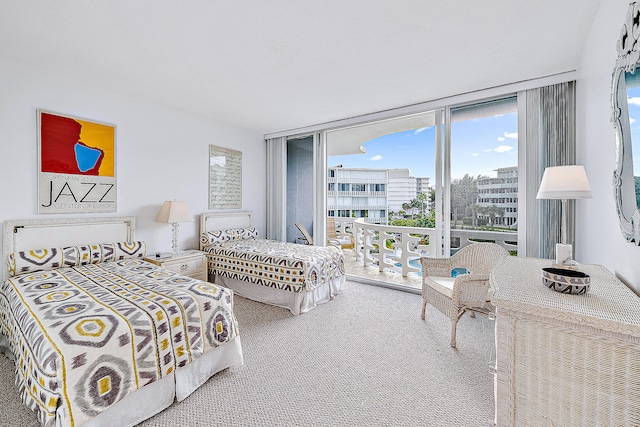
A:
(564, 183)
(174, 212)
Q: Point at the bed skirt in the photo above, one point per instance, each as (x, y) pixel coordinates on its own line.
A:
(296, 302)
(155, 397)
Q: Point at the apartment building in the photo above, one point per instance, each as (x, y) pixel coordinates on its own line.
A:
(358, 193)
(501, 191)
(402, 189)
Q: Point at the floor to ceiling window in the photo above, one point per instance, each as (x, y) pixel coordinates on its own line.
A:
(456, 187)
(454, 172)
(484, 172)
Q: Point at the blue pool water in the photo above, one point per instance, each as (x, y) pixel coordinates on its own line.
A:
(413, 263)
(416, 263)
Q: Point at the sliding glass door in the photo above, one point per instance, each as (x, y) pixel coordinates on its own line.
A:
(483, 167)
(453, 173)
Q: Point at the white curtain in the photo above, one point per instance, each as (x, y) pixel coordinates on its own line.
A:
(276, 188)
(320, 171)
(550, 141)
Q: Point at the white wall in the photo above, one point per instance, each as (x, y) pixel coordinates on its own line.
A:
(598, 238)
(162, 153)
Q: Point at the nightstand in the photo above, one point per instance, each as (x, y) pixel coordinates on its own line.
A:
(192, 263)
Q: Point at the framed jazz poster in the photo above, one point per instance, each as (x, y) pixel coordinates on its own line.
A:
(76, 165)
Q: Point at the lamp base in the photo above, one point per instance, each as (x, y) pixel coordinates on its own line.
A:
(564, 254)
(174, 240)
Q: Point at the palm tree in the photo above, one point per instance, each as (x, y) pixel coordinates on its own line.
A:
(422, 198)
(415, 204)
(406, 207)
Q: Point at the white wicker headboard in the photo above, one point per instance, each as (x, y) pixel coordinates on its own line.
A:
(224, 220)
(28, 234)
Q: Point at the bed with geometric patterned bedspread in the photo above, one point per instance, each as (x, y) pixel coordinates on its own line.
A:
(293, 276)
(91, 327)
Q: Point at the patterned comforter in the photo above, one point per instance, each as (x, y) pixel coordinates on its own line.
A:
(84, 337)
(287, 266)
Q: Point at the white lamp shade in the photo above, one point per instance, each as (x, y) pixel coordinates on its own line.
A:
(564, 182)
(174, 211)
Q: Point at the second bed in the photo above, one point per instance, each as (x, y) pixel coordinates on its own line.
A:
(289, 275)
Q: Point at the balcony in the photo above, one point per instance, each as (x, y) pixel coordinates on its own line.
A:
(389, 255)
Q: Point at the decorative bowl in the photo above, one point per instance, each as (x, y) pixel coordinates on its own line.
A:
(566, 281)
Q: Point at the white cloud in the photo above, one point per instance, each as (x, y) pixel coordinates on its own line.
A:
(502, 148)
(375, 158)
(512, 135)
(632, 120)
(487, 150)
(474, 154)
(501, 139)
(634, 101)
(417, 131)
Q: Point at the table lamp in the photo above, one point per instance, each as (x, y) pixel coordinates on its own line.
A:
(174, 212)
(564, 183)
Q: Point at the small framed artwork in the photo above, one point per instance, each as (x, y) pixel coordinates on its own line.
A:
(225, 178)
(76, 165)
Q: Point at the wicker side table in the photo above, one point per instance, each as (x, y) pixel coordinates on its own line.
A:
(565, 360)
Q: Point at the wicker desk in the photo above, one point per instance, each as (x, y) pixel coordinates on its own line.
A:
(565, 360)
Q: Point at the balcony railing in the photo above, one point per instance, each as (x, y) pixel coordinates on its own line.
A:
(406, 244)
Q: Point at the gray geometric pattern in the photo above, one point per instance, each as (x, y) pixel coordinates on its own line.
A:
(86, 336)
(51, 258)
(352, 368)
(281, 265)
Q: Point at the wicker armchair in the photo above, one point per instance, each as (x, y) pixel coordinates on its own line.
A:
(466, 292)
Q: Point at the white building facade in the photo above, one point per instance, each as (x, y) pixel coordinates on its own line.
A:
(358, 193)
(501, 191)
(402, 189)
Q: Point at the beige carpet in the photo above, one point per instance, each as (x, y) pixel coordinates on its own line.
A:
(364, 359)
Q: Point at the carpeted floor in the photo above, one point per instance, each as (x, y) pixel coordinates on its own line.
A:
(363, 359)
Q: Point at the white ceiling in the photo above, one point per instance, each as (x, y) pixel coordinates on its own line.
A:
(283, 64)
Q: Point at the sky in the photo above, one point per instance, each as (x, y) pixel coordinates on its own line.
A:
(479, 146)
(633, 101)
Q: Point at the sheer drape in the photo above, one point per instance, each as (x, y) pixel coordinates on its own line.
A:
(550, 141)
(320, 185)
(276, 188)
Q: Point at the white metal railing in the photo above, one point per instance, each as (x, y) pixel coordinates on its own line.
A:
(394, 247)
(391, 247)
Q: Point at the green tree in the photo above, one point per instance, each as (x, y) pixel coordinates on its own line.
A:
(432, 198)
(406, 207)
(422, 199)
(492, 212)
(464, 192)
(427, 221)
(415, 204)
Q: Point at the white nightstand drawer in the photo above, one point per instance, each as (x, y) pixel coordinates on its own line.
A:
(192, 264)
(186, 266)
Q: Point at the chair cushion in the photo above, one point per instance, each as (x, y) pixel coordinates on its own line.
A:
(458, 271)
(444, 285)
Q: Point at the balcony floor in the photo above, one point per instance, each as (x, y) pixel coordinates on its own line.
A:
(358, 272)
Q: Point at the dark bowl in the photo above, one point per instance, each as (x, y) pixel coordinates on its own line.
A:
(566, 281)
